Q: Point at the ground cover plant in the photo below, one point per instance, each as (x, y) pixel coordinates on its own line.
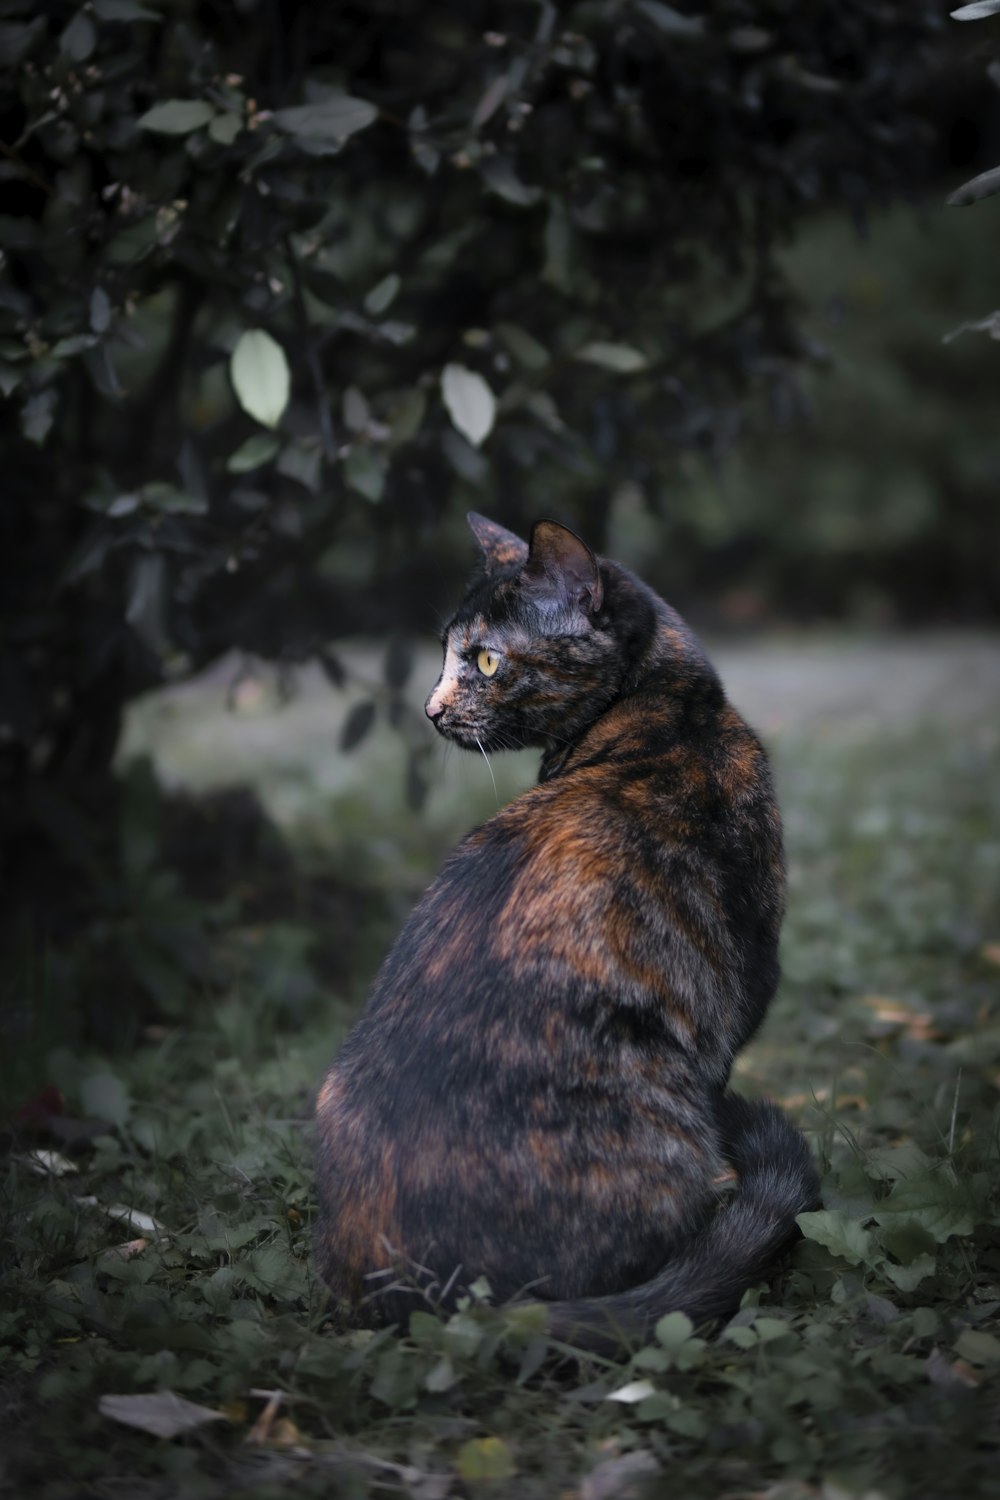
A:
(162, 1257)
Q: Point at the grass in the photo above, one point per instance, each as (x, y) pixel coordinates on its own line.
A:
(871, 1368)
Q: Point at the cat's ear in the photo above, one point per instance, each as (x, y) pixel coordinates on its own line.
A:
(501, 548)
(562, 570)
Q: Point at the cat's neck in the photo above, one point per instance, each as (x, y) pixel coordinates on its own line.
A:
(666, 677)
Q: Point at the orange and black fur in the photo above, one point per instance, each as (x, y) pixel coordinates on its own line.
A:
(537, 1089)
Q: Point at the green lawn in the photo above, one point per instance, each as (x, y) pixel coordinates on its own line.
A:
(871, 1369)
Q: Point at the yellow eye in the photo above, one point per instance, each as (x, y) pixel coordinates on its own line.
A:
(488, 662)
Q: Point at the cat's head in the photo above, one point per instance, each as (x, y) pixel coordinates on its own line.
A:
(531, 655)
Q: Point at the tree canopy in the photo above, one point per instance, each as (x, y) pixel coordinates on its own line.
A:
(285, 285)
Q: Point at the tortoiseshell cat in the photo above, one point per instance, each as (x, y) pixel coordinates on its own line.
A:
(536, 1091)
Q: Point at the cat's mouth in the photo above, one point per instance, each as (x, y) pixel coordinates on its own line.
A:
(472, 736)
(460, 733)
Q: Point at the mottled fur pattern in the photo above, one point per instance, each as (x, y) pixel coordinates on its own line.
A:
(536, 1091)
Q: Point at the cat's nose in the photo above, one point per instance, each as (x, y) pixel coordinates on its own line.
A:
(441, 698)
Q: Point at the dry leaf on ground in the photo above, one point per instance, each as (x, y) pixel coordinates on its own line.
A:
(160, 1413)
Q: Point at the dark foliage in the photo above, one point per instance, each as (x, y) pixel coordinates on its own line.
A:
(579, 207)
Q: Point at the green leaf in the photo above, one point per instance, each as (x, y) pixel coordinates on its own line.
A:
(74, 344)
(382, 294)
(105, 1097)
(426, 1329)
(908, 1278)
(558, 247)
(224, 129)
(742, 1336)
(841, 1235)
(407, 417)
(656, 1360)
(357, 724)
(274, 1272)
(462, 1335)
(357, 412)
(395, 1379)
(17, 41)
(485, 1458)
(525, 349)
(977, 11)
(442, 1376)
(328, 123)
(79, 39)
(500, 177)
(671, 22)
(470, 402)
(769, 1329)
(983, 186)
(932, 1200)
(526, 1320)
(100, 310)
(302, 460)
(398, 664)
(687, 1422)
(889, 1163)
(124, 10)
(907, 1239)
(364, 472)
(619, 358)
(981, 1348)
(674, 1329)
(260, 376)
(171, 500)
(257, 450)
(176, 117)
(37, 416)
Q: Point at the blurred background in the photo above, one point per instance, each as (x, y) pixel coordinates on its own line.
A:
(287, 289)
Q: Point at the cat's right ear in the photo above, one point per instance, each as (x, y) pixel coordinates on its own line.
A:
(562, 570)
(501, 548)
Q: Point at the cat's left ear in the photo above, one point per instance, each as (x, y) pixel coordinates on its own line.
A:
(501, 548)
(561, 568)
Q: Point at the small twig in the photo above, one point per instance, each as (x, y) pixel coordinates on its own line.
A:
(260, 1432)
(954, 1114)
(13, 155)
(312, 357)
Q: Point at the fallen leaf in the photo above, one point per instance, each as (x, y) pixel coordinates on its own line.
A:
(160, 1413)
(619, 1478)
(285, 1434)
(635, 1390)
(950, 1375)
(50, 1163)
(133, 1217)
(892, 1013)
(486, 1458)
(124, 1251)
(979, 1347)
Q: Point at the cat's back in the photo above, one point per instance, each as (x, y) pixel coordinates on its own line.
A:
(617, 880)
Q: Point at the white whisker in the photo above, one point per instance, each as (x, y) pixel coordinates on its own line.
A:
(489, 768)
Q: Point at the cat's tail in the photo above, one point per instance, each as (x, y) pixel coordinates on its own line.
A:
(735, 1249)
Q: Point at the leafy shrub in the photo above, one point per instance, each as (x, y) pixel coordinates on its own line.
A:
(284, 286)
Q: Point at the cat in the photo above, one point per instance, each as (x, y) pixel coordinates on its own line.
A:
(536, 1091)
